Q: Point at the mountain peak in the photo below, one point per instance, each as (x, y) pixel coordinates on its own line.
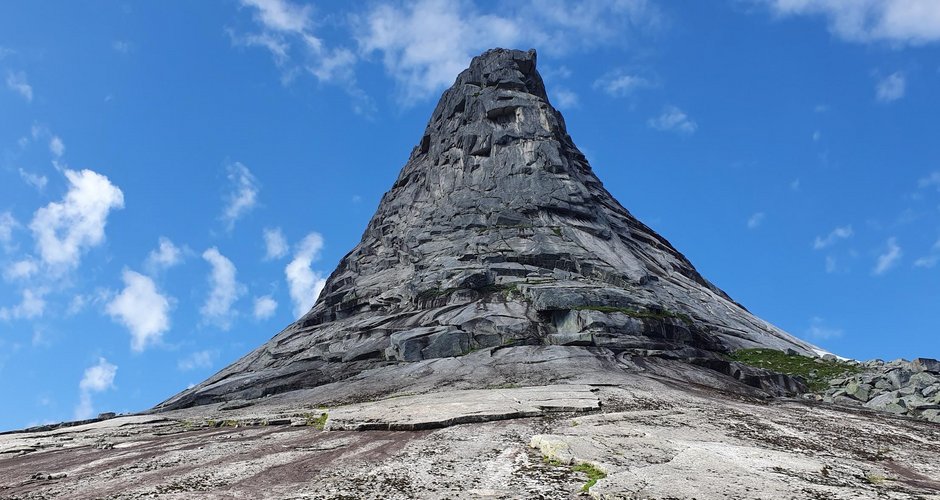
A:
(497, 235)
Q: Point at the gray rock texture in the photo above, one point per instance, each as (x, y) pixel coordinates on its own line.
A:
(901, 387)
(497, 233)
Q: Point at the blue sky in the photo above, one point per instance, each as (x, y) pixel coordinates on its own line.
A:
(176, 180)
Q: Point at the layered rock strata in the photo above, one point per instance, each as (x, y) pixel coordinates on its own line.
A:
(498, 234)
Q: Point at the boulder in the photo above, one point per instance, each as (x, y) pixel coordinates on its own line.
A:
(926, 365)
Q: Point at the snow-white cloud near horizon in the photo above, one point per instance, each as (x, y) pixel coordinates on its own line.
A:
(904, 22)
(97, 378)
(142, 309)
(304, 283)
(839, 233)
(242, 193)
(265, 307)
(887, 259)
(673, 119)
(64, 230)
(890, 88)
(224, 290)
(165, 256)
(17, 82)
(275, 244)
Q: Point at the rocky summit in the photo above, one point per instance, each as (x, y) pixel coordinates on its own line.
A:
(506, 329)
(497, 234)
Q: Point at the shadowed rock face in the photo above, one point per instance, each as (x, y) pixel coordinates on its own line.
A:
(498, 234)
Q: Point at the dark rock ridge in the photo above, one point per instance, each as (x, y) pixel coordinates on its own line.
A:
(498, 234)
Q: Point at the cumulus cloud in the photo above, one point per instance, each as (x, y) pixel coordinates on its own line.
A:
(913, 22)
(424, 44)
(673, 119)
(165, 256)
(890, 88)
(839, 233)
(31, 305)
(305, 283)
(142, 309)
(17, 82)
(224, 290)
(888, 258)
(97, 378)
(265, 307)
(620, 84)
(755, 220)
(21, 269)
(242, 195)
(197, 360)
(35, 180)
(275, 244)
(63, 230)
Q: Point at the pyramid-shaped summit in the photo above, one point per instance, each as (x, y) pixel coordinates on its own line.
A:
(497, 235)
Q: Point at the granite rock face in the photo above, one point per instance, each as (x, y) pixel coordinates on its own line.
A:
(901, 387)
(497, 234)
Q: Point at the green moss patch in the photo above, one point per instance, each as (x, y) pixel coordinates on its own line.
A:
(816, 371)
(593, 473)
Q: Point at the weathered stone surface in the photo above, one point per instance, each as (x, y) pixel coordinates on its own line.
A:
(497, 232)
(926, 364)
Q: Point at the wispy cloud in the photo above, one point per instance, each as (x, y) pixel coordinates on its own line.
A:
(224, 290)
(565, 99)
(142, 309)
(930, 180)
(242, 195)
(32, 305)
(818, 330)
(673, 119)
(755, 220)
(305, 284)
(911, 22)
(17, 82)
(929, 261)
(887, 259)
(202, 360)
(839, 233)
(35, 180)
(97, 378)
(891, 87)
(619, 84)
(275, 244)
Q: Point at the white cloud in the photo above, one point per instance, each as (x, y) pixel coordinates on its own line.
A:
(566, 99)
(62, 230)
(275, 244)
(831, 264)
(265, 307)
(243, 193)
(911, 22)
(17, 82)
(8, 224)
(839, 233)
(121, 46)
(165, 256)
(890, 88)
(97, 378)
(931, 260)
(56, 146)
(35, 180)
(31, 306)
(620, 84)
(889, 258)
(197, 360)
(931, 180)
(21, 269)
(754, 221)
(305, 283)
(225, 290)
(424, 44)
(673, 119)
(819, 331)
(141, 309)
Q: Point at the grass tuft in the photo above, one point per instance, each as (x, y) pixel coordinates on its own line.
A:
(593, 473)
(817, 372)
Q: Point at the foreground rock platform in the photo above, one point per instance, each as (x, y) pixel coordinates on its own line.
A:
(654, 438)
